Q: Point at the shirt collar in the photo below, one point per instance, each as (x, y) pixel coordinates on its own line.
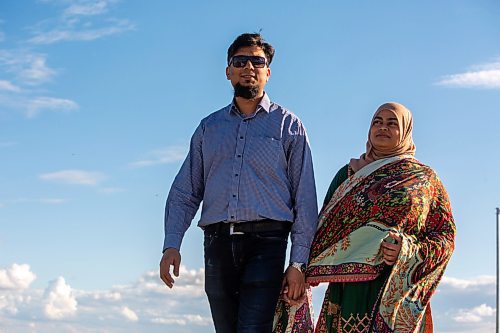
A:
(264, 104)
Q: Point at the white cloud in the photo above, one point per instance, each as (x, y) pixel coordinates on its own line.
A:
(87, 8)
(147, 305)
(9, 86)
(82, 34)
(16, 277)
(484, 311)
(474, 315)
(8, 304)
(129, 314)
(75, 177)
(59, 300)
(30, 68)
(46, 201)
(463, 284)
(37, 70)
(32, 107)
(152, 303)
(464, 305)
(482, 76)
(77, 21)
(107, 296)
(80, 20)
(163, 156)
(190, 284)
(53, 201)
(40, 104)
(184, 320)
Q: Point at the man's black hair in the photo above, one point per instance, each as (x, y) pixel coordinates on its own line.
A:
(248, 39)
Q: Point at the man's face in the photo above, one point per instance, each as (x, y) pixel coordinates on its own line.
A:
(249, 76)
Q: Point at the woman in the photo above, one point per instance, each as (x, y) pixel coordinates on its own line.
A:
(384, 238)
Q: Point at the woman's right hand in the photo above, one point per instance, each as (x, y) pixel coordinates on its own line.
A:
(291, 302)
(391, 251)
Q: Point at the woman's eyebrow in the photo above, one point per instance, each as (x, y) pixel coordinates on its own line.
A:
(380, 118)
(388, 119)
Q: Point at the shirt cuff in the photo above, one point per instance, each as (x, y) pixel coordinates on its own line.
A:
(172, 240)
(299, 254)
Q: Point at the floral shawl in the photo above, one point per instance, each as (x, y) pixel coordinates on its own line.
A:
(394, 194)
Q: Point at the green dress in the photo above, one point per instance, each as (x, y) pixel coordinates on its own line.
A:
(348, 307)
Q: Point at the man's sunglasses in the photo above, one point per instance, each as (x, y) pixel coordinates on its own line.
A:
(240, 61)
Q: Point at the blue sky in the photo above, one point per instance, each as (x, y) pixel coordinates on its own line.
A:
(99, 98)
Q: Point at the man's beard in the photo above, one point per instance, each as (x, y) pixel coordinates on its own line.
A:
(247, 92)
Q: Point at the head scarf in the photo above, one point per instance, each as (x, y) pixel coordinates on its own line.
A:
(405, 145)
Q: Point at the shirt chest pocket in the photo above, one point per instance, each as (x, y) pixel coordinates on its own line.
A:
(263, 153)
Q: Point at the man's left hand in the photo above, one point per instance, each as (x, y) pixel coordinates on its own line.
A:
(294, 286)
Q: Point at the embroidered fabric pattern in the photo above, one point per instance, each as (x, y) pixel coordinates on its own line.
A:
(355, 324)
(399, 195)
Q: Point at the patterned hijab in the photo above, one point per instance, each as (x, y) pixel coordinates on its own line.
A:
(405, 144)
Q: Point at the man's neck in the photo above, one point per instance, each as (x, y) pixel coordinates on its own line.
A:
(248, 106)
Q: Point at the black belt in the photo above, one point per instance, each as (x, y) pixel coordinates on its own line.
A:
(238, 228)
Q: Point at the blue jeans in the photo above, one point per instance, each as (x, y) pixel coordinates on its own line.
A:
(243, 276)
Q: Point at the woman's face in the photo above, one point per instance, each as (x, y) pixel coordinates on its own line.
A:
(384, 131)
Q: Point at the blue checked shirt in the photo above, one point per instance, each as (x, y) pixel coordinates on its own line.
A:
(246, 169)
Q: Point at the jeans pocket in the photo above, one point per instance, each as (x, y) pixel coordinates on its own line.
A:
(208, 239)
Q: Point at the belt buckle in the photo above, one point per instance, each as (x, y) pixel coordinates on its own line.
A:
(232, 232)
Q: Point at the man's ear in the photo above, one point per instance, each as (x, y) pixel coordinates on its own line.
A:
(227, 73)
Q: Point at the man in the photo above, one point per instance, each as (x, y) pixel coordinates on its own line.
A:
(250, 163)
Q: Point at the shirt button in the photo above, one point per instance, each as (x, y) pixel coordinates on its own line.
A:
(241, 137)
(236, 174)
(232, 216)
(234, 195)
(239, 155)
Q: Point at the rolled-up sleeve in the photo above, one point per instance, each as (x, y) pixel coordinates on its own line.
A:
(303, 191)
(185, 194)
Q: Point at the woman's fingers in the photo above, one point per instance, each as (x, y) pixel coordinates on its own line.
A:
(389, 246)
(395, 236)
(390, 252)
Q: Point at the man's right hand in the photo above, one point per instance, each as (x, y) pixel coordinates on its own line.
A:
(171, 257)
